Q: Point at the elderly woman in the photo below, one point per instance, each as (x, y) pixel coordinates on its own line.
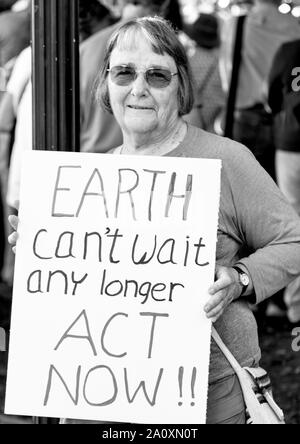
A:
(146, 83)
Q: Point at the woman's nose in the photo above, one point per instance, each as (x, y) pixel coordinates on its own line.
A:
(139, 85)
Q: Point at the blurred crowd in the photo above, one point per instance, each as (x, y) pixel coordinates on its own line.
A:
(247, 87)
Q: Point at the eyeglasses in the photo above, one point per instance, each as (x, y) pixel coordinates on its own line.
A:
(155, 77)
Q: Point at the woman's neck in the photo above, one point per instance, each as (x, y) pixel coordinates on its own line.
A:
(151, 146)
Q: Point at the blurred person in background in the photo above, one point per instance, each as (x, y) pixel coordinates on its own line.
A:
(93, 16)
(19, 106)
(14, 33)
(99, 130)
(284, 101)
(173, 14)
(14, 36)
(15, 138)
(204, 59)
(265, 30)
(5, 5)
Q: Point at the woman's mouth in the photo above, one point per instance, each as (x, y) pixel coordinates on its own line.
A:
(140, 108)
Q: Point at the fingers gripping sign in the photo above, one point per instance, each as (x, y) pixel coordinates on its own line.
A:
(225, 290)
(12, 239)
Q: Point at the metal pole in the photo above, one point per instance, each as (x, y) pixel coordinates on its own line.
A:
(55, 80)
(55, 47)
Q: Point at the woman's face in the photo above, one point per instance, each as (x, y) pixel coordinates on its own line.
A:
(140, 109)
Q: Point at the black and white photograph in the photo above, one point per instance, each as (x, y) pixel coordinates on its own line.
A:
(149, 215)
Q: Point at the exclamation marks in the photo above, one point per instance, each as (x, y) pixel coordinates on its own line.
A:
(193, 381)
(180, 384)
(180, 380)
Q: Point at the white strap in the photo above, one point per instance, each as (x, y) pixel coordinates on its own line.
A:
(229, 356)
(251, 401)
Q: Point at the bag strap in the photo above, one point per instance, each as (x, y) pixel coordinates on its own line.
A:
(251, 401)
(236, 63)
(228, 355)
(250, 398)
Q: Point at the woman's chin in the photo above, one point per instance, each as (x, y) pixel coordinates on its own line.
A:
(140, 126)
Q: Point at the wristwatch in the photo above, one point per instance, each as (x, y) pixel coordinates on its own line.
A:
(243, 279)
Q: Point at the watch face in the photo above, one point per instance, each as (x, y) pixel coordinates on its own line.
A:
(244, 279)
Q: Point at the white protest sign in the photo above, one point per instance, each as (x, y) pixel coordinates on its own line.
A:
(114, 260)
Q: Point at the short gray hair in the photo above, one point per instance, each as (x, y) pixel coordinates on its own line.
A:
(163, 40)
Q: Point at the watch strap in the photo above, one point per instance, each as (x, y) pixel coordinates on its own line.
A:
(240, 271)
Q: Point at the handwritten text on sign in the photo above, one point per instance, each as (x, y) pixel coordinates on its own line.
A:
(114, 260)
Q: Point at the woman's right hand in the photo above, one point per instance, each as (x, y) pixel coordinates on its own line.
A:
(12, 239)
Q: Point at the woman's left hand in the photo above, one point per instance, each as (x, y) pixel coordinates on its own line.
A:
(225, 290)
